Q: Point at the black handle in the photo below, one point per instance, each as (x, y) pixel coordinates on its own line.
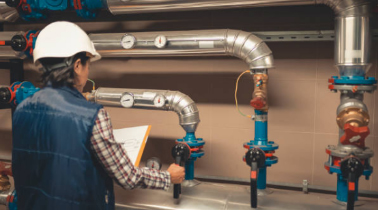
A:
(350, 203)
(351, 190)
(254, 171)
(177, 187)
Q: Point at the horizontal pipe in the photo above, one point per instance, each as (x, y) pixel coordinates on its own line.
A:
(117, 7)
(243, 45)
(7, 14)
(165, 100)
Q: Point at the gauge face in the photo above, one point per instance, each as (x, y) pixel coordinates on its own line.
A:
(128, 41)
(159, 101)
(153, 163)
(127, 100)
(160, 41)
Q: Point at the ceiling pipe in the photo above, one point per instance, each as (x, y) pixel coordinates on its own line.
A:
(241, 44)
(118, 7)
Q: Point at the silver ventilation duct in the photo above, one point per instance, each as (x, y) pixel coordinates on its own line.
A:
(353, 35)
(118, 7)
(243, 45)
(165, 100)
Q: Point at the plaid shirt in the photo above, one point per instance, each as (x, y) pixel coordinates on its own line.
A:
(115, 161)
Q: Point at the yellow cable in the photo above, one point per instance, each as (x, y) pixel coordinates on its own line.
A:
(93, 83)
(236, 92)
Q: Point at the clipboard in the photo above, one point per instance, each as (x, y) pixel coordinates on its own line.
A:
(133, 141)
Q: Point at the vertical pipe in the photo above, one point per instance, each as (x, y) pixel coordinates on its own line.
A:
(261, 181)
(342, 189)
(261, 127)
(189, 169)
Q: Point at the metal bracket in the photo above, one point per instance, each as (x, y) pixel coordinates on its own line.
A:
(305, 186)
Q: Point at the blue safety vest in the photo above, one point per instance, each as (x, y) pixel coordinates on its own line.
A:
(53, 166)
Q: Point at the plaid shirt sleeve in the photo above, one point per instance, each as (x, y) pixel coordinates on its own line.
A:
(115, 161)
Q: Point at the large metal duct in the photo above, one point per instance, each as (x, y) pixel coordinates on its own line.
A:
(165, 100)
(353, 35)
(241, 44)
(118, 7)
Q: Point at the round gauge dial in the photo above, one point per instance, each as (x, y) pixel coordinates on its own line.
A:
(128, 41)
(159, 101)
(160, 41)
(127, 100)
(153, 163)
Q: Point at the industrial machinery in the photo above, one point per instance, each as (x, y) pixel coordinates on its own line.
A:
(181, 153)
(260, 150)
(17, 92)
(351, 158)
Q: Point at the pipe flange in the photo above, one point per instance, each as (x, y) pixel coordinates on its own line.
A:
(347, 150)
(353, 88)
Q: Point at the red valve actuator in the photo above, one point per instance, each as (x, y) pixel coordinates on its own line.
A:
(258, 103)
(354, 135)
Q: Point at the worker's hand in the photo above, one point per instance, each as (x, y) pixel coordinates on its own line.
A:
(177, 173)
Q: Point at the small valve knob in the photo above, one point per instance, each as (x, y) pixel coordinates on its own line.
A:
(258, 103)
(354, 135)
(351, 169)
(255, 158)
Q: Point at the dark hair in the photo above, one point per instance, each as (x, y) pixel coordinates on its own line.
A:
(62, 74)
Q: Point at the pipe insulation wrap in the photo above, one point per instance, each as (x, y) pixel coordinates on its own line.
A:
(175, 101)
(244, 45)
(117, 7)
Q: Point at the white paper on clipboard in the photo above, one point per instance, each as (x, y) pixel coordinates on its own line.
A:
(133, 140)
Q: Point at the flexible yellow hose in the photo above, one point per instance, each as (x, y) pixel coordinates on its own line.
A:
(236, 92)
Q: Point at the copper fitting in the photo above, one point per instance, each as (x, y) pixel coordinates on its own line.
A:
(4, 183)
(89, 96)
(260, 94)
(354, 116)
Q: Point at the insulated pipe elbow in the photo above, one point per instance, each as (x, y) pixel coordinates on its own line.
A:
(244, 45)
(178, 102)
(185, 108)
(250, 48)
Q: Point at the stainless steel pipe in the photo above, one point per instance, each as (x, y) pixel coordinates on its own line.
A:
(353, 35)
(165, 100)
(7, 14)
(243, 45)
(6, 52)
(118, 7)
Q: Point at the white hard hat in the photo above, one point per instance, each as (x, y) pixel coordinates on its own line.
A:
(61, 40)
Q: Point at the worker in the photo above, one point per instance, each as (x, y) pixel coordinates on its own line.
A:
(64, 154)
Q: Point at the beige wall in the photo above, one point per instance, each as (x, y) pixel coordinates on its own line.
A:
(302, 113)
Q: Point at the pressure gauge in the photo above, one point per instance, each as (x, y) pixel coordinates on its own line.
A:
(128, 41)
(127, 100)
(153, 163)
(159, 101)
(160, 41)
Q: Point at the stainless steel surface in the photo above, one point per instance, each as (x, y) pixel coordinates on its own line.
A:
(283, 184)
(243, 45)
(208, 196)
(7, 14)
(175, 101)
(190, 183)
(118, 7)
(6, 52)
(3, 197)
